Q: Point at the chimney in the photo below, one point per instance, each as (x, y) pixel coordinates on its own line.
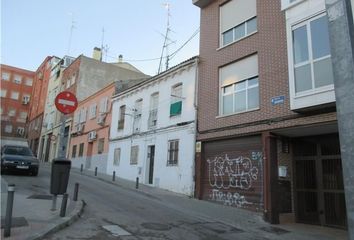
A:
(120, 58)
(97, 54)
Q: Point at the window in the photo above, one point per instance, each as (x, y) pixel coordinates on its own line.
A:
(239, 90)
(14, 95)
(3, 93)
(154, 101)
(8, 128)
(134, 152)
(237, 20)
(81, 149)
(172, 158)
(176, 100)
(25, 99)
(116, 159)
(5, 76)
(12, 112)
(83, 115)
(104, 105)
(93, 111)
(311, 55)
(20, 131)
(76, 117)
(137, 115)
(23, 115)
(17, 79)
(100, 146)
(29, 81)
(121, 117)
(73, 153)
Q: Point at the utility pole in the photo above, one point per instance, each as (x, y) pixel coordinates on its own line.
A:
(341, 34)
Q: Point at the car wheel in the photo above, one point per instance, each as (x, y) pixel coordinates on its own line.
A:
(34, 172)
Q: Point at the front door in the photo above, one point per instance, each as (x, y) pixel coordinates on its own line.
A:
(89, 155)
(319, 181)
(151, 157)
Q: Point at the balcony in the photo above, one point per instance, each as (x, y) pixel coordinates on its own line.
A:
(202, 3)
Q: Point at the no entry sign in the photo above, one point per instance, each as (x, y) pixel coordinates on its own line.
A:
(66, 102)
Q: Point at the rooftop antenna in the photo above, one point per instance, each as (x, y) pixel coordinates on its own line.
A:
(104, 48)
(71, 31)
(167, 41)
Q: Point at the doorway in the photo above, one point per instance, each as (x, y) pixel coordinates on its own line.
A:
(319, 189)
(151, 159)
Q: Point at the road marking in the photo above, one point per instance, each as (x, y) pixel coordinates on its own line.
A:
(116, 230)
(66, 102)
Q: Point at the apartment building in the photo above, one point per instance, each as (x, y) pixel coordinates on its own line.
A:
(267, 128)
(16, 93)
(152, 135)
(37, 105)
(90, 132)
(82, 76)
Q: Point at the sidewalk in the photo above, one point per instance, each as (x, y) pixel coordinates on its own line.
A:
(242, 219)
(32, 217)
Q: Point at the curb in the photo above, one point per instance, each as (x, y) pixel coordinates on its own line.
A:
(60, 223)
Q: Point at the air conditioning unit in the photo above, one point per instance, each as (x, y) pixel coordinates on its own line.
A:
(101, 119)
(25, 101)
(92, 136)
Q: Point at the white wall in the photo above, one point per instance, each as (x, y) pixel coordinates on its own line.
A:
(177, 178)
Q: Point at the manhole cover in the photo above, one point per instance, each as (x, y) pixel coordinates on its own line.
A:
(41, 196)
(156, 226)
(275, 230)
(15, 222)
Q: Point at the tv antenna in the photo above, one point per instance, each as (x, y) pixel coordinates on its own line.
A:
(71, 31)
(167, 40)
(104, 48)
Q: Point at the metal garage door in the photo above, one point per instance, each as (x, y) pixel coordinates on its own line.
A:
(233, 173)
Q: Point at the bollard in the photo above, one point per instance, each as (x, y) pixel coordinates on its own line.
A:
(82, 168)
(9, 207)
(114, 176)
(76, 191)
(63, 205)
(54, 203)
(137, 183)
(95, 171)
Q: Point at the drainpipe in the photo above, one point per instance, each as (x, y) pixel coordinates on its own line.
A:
(195, 104)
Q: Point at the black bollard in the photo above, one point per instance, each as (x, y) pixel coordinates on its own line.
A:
(76, 191)
(95, 171)
(82, 168)
(9, 207)
(114, 176)
(137, 183)
(63, 205)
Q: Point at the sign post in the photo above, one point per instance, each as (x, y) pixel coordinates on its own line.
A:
(66, 103)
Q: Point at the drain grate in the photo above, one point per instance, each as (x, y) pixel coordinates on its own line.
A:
(41, 196)
(274, 230)
(15, 222)
(156, 226)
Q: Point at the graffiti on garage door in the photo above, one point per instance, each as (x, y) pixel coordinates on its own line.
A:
(229, 174)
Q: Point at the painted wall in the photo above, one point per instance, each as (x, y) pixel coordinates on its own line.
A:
(91, 157)
(175, 178)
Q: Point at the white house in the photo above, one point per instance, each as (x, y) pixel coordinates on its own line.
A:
(153, 130)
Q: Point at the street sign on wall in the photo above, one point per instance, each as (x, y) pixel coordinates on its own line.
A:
(66, 102)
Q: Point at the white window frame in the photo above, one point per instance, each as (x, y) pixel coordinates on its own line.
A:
(93, 109)
(5, 76)
(17, 79)
(137, 115)
(175, 155)
(134, 155)
(153, 112)
(3, 93)
(310, 60)
(116, 156)
(103, 105)
(23, 115)
(29, 82)
(12, 96)
(83, 116)
(8, 128)
(11, 112)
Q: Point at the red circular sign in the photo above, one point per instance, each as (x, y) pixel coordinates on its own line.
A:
(66, 102)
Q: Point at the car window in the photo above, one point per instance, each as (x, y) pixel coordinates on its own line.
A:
(24, 151)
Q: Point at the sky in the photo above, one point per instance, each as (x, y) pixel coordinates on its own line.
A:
(34, 29)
